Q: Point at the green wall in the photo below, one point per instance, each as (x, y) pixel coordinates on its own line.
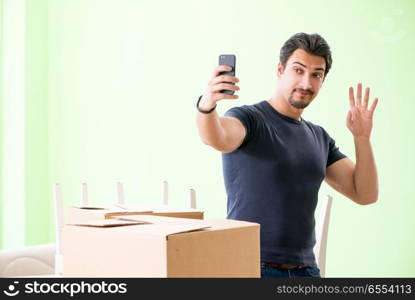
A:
(113, 85)
(37, 190)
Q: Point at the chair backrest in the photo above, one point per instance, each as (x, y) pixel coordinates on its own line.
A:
(321, 234)
(165, 195)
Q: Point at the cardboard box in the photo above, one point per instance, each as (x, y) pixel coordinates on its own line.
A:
(157, 246)
(81, 214)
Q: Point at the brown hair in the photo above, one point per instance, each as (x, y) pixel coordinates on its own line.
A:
(311, 43)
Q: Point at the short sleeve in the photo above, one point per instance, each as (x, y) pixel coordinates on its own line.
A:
(334, 153)
(246, 116)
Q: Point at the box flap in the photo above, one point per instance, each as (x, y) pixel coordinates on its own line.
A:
(165, 225)
(219, 224)
(170, 229)
(108, 223)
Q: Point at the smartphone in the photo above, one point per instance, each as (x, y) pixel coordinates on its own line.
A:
(229, 60)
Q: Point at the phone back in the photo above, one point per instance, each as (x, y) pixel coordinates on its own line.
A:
(229, 60)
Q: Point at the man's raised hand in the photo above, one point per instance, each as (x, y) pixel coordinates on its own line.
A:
(359, 118)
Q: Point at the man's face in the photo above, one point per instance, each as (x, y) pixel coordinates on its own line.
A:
(301, 78)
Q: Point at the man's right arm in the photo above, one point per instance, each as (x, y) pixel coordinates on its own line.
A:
(224, 134)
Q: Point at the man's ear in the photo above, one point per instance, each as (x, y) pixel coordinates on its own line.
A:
(280, 69)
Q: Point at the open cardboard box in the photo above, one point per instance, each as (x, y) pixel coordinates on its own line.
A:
(155, 246)
(80, 214)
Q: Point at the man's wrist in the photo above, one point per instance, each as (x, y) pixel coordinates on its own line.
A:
(361, 138)
(204, 110)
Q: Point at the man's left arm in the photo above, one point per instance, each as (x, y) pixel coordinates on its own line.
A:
(359, 181)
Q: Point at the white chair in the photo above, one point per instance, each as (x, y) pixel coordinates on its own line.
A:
(28, 261)
(322, 230)
(41, 260)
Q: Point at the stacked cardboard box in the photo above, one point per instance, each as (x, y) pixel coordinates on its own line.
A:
(128, 245)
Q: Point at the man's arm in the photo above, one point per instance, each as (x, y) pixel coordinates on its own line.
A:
(224, 134)
(358, 182)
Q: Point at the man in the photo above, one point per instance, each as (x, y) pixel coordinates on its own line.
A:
(274, 161)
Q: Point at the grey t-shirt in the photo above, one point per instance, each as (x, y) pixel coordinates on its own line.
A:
(274, 177)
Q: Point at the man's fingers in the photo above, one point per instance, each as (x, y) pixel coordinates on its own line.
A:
(224, 78)
(224, 86)
(351, 97)
(359, 95)
(366, 98)
(221, 68)
(373, 106)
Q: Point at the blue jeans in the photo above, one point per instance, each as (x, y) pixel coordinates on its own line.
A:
(273, 272)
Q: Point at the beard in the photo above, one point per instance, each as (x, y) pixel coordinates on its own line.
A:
(302, 102)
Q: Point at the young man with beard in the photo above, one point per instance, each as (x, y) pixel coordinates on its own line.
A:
(274, 161)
